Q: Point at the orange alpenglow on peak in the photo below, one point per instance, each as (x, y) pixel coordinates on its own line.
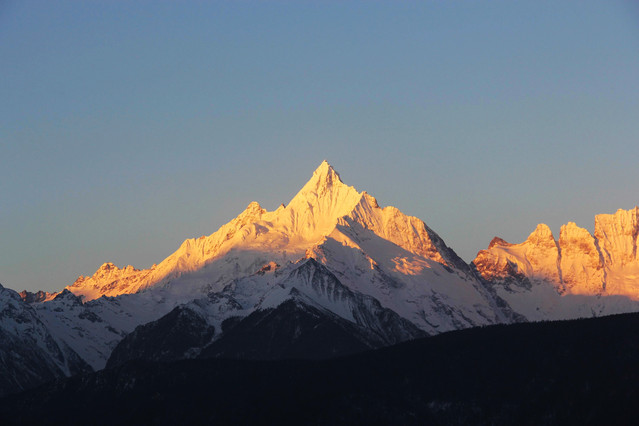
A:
(323, 179)
(542, 236)
(320, 210)
(579, 263)
(327, 173)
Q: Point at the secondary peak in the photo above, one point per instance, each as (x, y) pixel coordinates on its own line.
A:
(253, 210)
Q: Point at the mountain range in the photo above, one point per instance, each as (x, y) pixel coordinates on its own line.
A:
(329, 274)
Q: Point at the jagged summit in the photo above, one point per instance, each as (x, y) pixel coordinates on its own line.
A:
(325, 182)
(325, 168)
(542, 236)
(618, 236)
(314, 210)
(498, 242)
(603, 264)
(325, 176)
(252, 211)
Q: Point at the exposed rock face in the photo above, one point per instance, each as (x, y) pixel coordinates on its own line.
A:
(108, 280)
(578, 264)
(535, 259)
(37, 297)
(581, 262)
(543, 254)
(617, 236)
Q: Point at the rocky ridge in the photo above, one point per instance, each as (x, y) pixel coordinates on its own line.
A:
(557, 275)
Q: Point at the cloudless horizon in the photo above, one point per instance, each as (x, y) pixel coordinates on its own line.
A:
(127, 127)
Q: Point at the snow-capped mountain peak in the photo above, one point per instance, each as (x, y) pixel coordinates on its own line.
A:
(325, 208)
(323, 179)
(255, 237)
(314, 210)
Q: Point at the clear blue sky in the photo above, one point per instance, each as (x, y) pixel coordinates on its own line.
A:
(126, 127)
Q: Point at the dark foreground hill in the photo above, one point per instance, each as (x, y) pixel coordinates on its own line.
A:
(569, 372)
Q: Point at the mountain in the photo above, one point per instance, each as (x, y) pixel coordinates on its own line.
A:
(552, 373)
(578, 275)
(377, 251)
(331, 273)
(324, 212)
(391, 271)
(29, 353)
(332, 264)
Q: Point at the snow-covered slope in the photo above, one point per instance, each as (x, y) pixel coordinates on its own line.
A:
(29, 353)
(93, 329)
(578, 275)
(305, 282)
(402, 263)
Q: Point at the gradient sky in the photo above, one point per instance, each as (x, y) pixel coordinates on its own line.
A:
(127, 127)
